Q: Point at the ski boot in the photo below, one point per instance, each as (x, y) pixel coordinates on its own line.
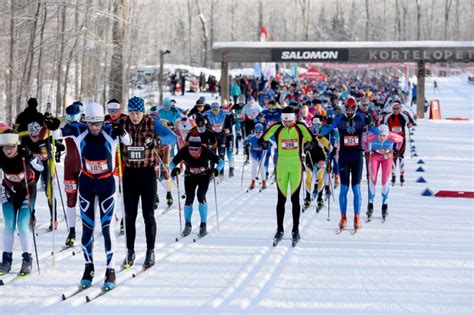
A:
(202, 230)
(169, 198)
(252, 185)
(402, 180)
(264, 184)
(109, 282)
(370, 210)
(307, 201)
(394, 180)
(231, 172)
(357, 221)
(26, 264)
(6, 264)
(88, 275)
(384, 211)
(295, 237)
(327, 191)
(149, 259)
(130, 259)
(320, 201)
(343, 222)
(278, 237)
(187, 229)
(71, 238)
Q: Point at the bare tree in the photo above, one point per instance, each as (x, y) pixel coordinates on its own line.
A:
(205, 35)
(447, 9)
(117, 67)
(11, 65)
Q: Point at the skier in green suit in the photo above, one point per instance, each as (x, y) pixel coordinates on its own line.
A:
(289, 136)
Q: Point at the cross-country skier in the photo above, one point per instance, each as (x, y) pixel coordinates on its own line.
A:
(289, 137)
(18, 194)
(257, 155)
(97, 144)
(397, 122)
(139, 177)
(72, 169)
(236, 109)
(381, 157)
(196, 158)
(351, 126)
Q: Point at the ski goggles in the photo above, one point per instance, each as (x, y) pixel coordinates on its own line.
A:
(396, 108)
(113, 111)
(8, 147)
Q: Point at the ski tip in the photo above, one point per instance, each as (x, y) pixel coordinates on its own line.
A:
(274, 244)
(63, 297)
(194, 240)
(88, 299)
(176, 239)
(73, 253)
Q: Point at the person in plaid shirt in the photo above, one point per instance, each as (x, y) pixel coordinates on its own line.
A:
(140, 160)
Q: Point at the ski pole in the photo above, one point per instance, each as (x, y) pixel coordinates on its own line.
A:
(51, 198)
(119, 157)
(409, 140)
(62, 200)
(179, 205)
(215, 198)
(31, 213)
(330, 186)
(242, 178)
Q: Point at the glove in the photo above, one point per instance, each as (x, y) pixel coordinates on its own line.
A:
(396, 154)
(214, 172)
(57, 156)
(368, 120)
(265, 145)
(308, 146)
(175, 172)
(52, 123)
(32, 222)
(150, 143)
(117, 130)
(328, 120)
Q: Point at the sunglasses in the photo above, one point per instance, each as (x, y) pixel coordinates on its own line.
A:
(8, 147)
(396, 108)
(194, 149)
(365, 105)
(113, 111)
(95, 124)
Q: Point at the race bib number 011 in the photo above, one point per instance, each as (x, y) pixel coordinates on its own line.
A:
(351, 141)
(136, 153)
(96, 167)
(289, 144)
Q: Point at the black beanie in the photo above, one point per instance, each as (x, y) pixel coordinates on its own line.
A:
(32, 102)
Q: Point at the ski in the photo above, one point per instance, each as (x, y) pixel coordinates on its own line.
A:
(250, 189)
(294, 242)
(75, 292)
(198, 237)
(339, 230)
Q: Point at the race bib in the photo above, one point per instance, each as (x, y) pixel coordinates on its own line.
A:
(42, 156)
(385, 152)
(217, 127)
(397, 129)
(197, 170)
(96, 167)
(289, 144)
(70, 186)
(15, 178)
(351, 141)
(136, 154)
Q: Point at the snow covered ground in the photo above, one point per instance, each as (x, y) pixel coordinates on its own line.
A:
(420, 261)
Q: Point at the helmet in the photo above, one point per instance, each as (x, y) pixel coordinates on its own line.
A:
(350, 102)
(258, 128)
(3, 126)
(94, 113)
(73, 112)
(9, 137)
(215, 106)
(241, 99)
(34, 128)
(383, 130)
(167, 102)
